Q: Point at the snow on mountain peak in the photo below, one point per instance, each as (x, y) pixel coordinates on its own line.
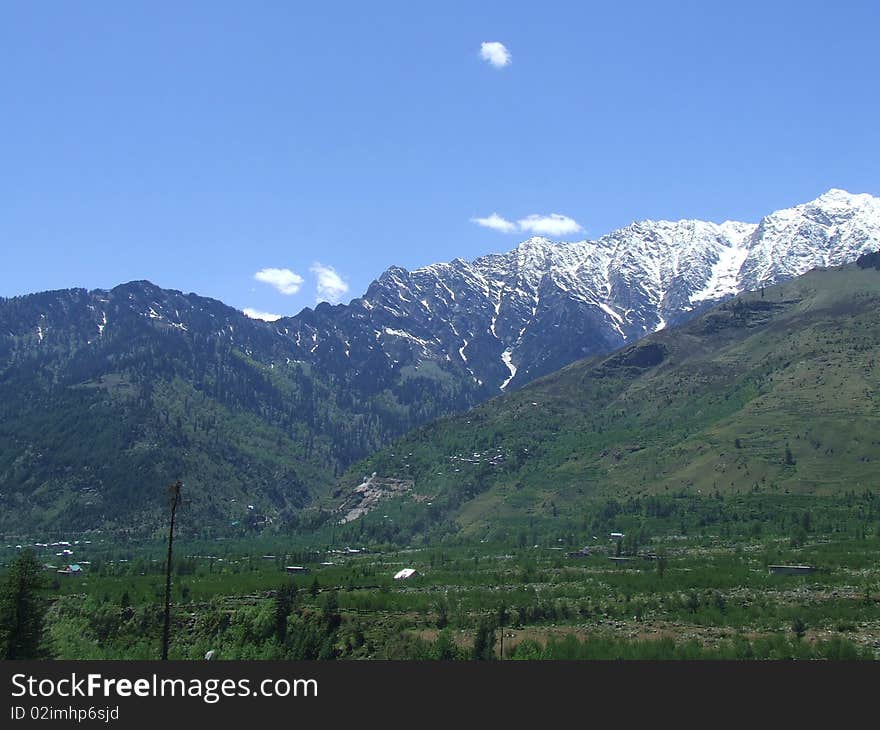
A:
(506, 318)
(842, 198)
(535, 242)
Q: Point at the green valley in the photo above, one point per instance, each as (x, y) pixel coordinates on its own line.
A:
(773, 392)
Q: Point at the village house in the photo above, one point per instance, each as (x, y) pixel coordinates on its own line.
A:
(790, 569)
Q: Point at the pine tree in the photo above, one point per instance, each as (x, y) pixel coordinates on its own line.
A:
(484, 641)
(22, 609)
(661, 563)
(444, 647)
(285, 602)
(442, 615)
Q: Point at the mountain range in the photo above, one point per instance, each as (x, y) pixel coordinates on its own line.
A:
(107, 393)
(771, 393)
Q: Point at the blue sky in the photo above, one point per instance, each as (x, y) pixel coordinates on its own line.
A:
(196, 144)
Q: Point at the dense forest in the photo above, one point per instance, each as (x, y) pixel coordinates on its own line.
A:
(94, 417)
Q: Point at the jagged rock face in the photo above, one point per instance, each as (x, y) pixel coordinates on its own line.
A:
(494, 323)
(831, 230)
(505, 319)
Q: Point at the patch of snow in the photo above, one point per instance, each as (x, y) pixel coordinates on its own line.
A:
(724, 279)
(405, 335)
(616, 319)
(505, 356)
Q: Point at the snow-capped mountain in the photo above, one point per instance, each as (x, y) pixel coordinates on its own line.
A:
(507, 318)
(497, 322)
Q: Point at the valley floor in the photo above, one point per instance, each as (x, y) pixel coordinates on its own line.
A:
(684, 597)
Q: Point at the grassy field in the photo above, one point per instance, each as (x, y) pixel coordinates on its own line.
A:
(705, 592)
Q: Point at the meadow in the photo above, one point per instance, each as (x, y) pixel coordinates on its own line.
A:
(677, 585)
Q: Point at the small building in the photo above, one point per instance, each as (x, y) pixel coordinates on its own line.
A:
(294, 569)
(405, 574)
(617, 536)
(73, 569)
(584, 552)
(790, 569)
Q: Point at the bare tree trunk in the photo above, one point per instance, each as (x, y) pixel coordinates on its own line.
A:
(174, 491)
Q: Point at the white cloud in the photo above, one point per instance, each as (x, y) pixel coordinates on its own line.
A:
(495, 53)
(550, 225)
(496, 223)
(554, 225)
(257, 314)
(284, 280)
(330, 285)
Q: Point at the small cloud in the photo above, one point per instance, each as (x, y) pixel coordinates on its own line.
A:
(257, 314)
(542, 225)
(495, 53)
(550, 225)
(496, 223)
(284, 280)
(331, 286)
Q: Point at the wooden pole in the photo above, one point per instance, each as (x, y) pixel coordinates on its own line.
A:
(174, 491)
(502, 614)
(501, 651)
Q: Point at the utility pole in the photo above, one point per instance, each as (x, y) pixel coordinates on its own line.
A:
(501, 651)
(502, 617)
(174, 495)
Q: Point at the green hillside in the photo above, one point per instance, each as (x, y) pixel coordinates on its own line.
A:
(106, 401)
(770, 393)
